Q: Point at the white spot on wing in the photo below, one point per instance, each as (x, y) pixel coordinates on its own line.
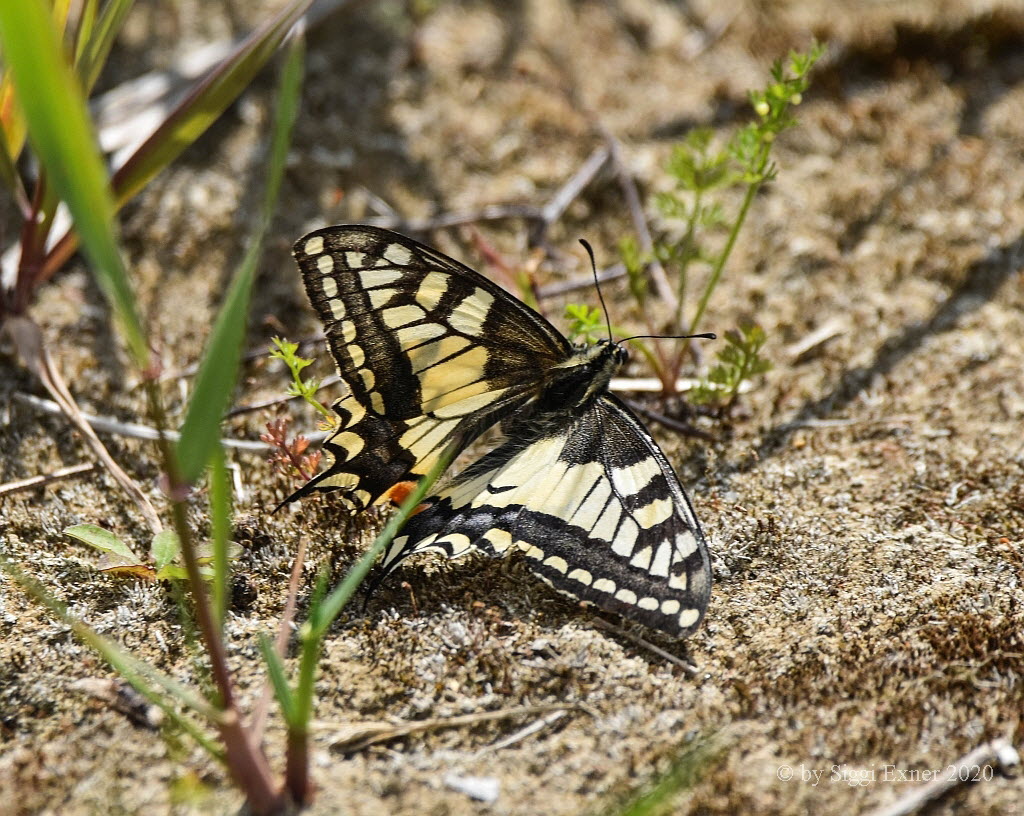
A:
(325, 263)
(379, 297)
(351, 442)
(355, 352)
(670, 607)
(459, 542)
(469, 316)
(531, 551)
(678, 581)
(398, 254)
(372, 278)
(686, 544)
(367, 377)
(662, 559)
(626, 596)
(398, 316)
(689, 618)
(582, 576)
(604, 585)
(654, 513)
(642, 559)
(415, 335)
(355, 260)
(649, 604)
(431, 291)
(329, 284)
(608, 523)
(314, 245)
(557, 563)
(498, 538)
(631, 479)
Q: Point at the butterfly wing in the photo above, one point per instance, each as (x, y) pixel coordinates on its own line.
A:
(432, 352)
(597, 510)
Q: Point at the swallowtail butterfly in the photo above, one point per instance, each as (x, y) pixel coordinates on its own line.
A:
(434, 354)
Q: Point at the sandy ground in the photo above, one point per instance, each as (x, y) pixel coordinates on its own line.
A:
(865, 506)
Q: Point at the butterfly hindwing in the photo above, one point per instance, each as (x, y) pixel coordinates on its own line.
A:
(431, 351)
(595, 507)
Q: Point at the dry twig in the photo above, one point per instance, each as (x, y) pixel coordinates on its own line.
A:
(29, 342)
(134, 430)
(528, 731)
(47, 478)
(998, 753)
(355, 736)
(691, 670)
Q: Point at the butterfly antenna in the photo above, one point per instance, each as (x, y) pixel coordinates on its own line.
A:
(703, 336)
(597, 285)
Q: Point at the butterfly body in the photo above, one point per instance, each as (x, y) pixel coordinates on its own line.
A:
(434, 354)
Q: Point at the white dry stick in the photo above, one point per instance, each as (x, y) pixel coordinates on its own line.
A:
(999, 753)
(804, 348)
(134, 430)
(46, 478)
(523, 733)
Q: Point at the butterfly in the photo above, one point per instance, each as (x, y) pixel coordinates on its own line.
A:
(434, 354)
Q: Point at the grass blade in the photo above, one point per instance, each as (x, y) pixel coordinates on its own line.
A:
(96, 41)
(60, 130)
(220, 529)
(278, 679)
(200, 432)
(207, 100)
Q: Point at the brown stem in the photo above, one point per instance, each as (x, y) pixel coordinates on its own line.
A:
(281, 643)
(246, 761)
(248, 767)
(296, 774)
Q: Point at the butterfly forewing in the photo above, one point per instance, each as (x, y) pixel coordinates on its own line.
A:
(431, 351)
(433, 354)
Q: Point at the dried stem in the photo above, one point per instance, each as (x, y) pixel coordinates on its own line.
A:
(29, 342)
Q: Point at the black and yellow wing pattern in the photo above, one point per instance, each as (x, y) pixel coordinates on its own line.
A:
(434, 354)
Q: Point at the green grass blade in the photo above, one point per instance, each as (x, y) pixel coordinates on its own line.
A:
(205, 102)
(220, 524)
(278, 679)
(61, 134)
(200, 433)
(323, 610)
(686, 771)
(322, 615)
(97, 40)
(289, 94)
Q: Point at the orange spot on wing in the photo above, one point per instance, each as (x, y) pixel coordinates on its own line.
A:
(398, 493)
